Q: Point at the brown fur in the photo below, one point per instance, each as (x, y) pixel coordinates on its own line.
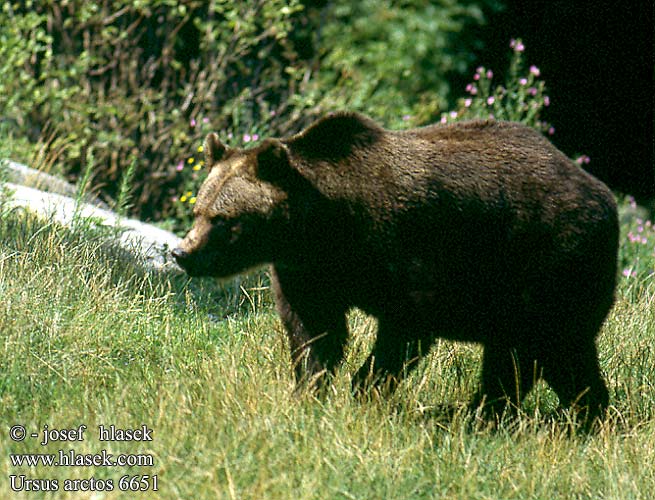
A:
(478, 231)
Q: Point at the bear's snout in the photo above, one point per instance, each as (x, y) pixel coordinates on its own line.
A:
(180, 255)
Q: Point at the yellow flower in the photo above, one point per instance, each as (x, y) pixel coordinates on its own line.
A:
(183, 198)
(190, 160)
(197, 166)
(200, 148)
(188, 194)
(192, 200)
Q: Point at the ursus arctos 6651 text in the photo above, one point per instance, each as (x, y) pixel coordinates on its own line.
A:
(477, 231)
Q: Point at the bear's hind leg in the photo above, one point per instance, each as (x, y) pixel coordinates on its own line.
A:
(574, 374)
(508, 374)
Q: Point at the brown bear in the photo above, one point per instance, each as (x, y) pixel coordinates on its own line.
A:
(479, 231)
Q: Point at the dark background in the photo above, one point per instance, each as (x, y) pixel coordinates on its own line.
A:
(597, 60)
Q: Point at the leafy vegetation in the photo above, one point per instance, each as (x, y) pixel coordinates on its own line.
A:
(148, 79)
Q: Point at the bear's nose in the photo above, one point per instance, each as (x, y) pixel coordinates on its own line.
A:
(179, 254)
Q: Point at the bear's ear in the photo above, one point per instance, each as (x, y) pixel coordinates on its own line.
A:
(335, 135)
(214, 149)
(273, 162)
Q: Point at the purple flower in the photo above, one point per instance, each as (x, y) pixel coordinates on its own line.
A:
(629, 273)
(517, 45)
(406, 117)
(632, 202)
(534, 70)
(453, 114)
(471, 89)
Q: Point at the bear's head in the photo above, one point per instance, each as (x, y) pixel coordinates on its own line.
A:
(241, 210)
(269, 203)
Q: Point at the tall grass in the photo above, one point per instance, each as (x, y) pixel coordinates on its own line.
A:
(89, 338)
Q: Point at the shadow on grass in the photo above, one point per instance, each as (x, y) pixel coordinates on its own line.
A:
(90, 249)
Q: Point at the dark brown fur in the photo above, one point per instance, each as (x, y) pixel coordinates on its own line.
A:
(479, 231)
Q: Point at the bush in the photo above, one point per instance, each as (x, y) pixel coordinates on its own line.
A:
(149, 78)
(393, 60)
(132, 79)
(522, 98)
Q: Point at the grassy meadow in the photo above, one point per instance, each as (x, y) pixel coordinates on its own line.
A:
(88, 338)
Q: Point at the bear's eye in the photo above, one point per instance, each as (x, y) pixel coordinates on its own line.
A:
(220, 227)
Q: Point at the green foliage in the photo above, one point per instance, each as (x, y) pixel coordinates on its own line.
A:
(148, 79)
(521, 98)
(131, 79)
(393, 59)
(637, 249)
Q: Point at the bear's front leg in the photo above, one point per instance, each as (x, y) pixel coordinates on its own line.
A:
(315, 324)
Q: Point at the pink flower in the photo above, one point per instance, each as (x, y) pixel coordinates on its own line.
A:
(632, 202)
(517, 45)
(546, 101)
(192, 122)
(523, 82)
(255, 137)
(551, 130)
(476, 77)
(246, 138)
(491, 100)
(444, 119)
(471, 89)
(406, 117)
(205, 120)
(534, 70)
(453, 114)
(629, 273)
(467, 103)
(490, 74)
(532, 91)
(180, 166)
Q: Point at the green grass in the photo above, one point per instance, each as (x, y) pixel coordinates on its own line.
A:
(86, 338)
